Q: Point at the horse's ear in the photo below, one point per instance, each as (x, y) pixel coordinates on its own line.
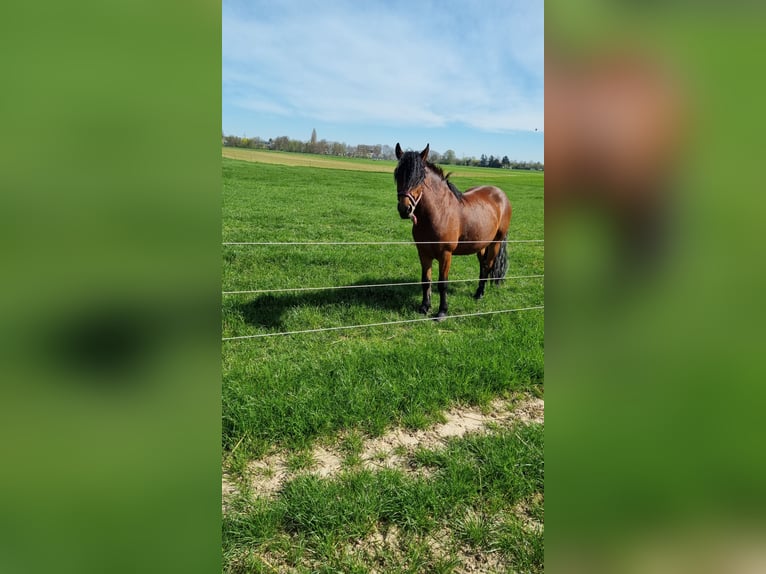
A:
(424, 153)
(399, 152)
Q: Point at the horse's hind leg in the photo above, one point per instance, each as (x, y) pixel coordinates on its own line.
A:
(487, 261)
(425, 277)
(483, 273)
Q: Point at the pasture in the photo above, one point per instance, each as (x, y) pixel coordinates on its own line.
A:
(288, 401)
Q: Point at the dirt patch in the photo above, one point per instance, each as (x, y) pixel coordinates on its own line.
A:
(523, 510)
(392, 450)
(388, 549)
(326, 462)
(472, 561)
(228, 491)
(530, 411)
(267, 475)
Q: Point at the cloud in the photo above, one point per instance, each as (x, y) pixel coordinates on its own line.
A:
(476, 64)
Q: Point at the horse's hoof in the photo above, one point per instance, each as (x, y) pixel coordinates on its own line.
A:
(424, 310)
(478, 295)
(440, 316)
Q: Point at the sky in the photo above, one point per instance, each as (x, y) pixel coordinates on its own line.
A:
(459, 75)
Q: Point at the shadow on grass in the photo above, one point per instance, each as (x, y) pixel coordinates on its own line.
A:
(268, 310)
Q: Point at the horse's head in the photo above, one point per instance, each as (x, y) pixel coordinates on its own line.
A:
(410, 174)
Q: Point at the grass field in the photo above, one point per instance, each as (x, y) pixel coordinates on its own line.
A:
(306, 160)
(295, 396)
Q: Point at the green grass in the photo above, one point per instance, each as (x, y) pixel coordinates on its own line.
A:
(291, 391)
(300, 460)
(464, 504)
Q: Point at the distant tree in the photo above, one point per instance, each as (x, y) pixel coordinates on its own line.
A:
(322, 147)
(295, 146)
(281, 143)
(376, 151)
(363, 150)
(386, 152)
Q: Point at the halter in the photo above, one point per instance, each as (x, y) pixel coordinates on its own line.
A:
(412, 199)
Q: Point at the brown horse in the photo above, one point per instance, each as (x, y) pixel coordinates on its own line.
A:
(446, 222)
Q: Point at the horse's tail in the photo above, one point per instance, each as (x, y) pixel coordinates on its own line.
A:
(501, 262)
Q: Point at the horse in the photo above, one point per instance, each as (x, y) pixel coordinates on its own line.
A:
(446, 222)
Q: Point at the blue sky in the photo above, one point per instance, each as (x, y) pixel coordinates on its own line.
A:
(466, 76)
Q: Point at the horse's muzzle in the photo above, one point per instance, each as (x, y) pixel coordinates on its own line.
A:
(405, 211)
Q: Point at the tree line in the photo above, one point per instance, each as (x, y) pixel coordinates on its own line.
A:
(377, 151)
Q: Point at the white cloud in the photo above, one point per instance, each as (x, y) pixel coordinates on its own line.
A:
(399, 66)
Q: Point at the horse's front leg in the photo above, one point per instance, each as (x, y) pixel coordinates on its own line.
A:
(444, 262)
(425, 277)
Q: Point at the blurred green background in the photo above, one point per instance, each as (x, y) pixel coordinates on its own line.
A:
(110, 178)
(654, 372)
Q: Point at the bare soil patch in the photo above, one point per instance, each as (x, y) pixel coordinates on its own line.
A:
(266, 476)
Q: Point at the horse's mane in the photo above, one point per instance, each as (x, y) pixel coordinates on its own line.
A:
(411, 172)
